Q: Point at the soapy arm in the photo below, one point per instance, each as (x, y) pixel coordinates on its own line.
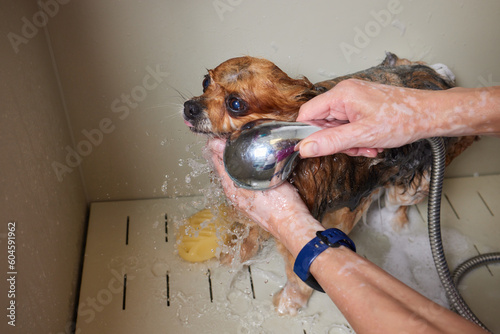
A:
(371, 300)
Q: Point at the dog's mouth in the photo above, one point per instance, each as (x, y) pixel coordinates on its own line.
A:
(196, 119)
(188, 123)
(204, 131)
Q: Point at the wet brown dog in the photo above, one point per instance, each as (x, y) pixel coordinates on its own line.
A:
(337, 189)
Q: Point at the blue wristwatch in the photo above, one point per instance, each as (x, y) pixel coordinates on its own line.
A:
(332, 237)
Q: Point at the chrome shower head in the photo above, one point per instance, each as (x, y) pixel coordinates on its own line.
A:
(261, 155)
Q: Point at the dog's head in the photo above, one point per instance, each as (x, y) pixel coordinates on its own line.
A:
(244, 89)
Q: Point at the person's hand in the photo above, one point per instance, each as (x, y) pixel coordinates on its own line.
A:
(378, 116)
(280, 211)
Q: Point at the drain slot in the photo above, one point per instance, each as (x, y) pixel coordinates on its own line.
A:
(251, 282)
(126, 232)
(168, 289)
(124, 291)
(485, 204)
(451, 205)
(166, 228)
(210, 286)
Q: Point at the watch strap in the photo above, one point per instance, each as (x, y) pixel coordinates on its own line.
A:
(332, 237)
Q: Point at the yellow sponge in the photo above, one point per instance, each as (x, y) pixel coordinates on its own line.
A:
(198, 239)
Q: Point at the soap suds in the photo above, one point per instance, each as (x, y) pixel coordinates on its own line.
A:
(406, 254)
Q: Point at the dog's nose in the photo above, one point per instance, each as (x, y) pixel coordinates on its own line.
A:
(191, 109)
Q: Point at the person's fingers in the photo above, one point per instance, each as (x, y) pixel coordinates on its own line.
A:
(324, 106)
(330, 141)
(230, 189)
(218, 165)
(363, 151)
(216, 145)
(335, 104)
(216, 150)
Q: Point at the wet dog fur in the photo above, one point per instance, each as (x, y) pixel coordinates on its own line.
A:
(337, 189)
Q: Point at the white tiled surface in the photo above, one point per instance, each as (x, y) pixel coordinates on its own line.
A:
(164, 294)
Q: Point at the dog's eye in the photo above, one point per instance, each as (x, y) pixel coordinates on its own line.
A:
(236, 105)
(206, 83)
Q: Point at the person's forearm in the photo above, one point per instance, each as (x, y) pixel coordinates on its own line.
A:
(367, 295)
(464, 111)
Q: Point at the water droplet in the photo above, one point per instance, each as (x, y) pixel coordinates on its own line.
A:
(159, 268)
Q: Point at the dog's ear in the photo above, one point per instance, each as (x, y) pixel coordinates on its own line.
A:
(319, 89)
(290, 95)
(390, 60)
(299, 90)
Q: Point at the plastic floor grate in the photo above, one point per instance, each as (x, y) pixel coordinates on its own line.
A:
(134, 282)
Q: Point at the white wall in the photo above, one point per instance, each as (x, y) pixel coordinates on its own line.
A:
(50, 216)
(103, 50)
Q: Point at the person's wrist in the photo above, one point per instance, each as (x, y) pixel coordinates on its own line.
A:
(330, 238)
(442, 110)
(298, 231)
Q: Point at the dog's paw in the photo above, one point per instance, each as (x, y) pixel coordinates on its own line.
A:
(400, 218)
(226, 257)
(244, 243)
(395, 216)
(290, 299)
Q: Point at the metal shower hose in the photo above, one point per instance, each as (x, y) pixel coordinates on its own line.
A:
(448, 281)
